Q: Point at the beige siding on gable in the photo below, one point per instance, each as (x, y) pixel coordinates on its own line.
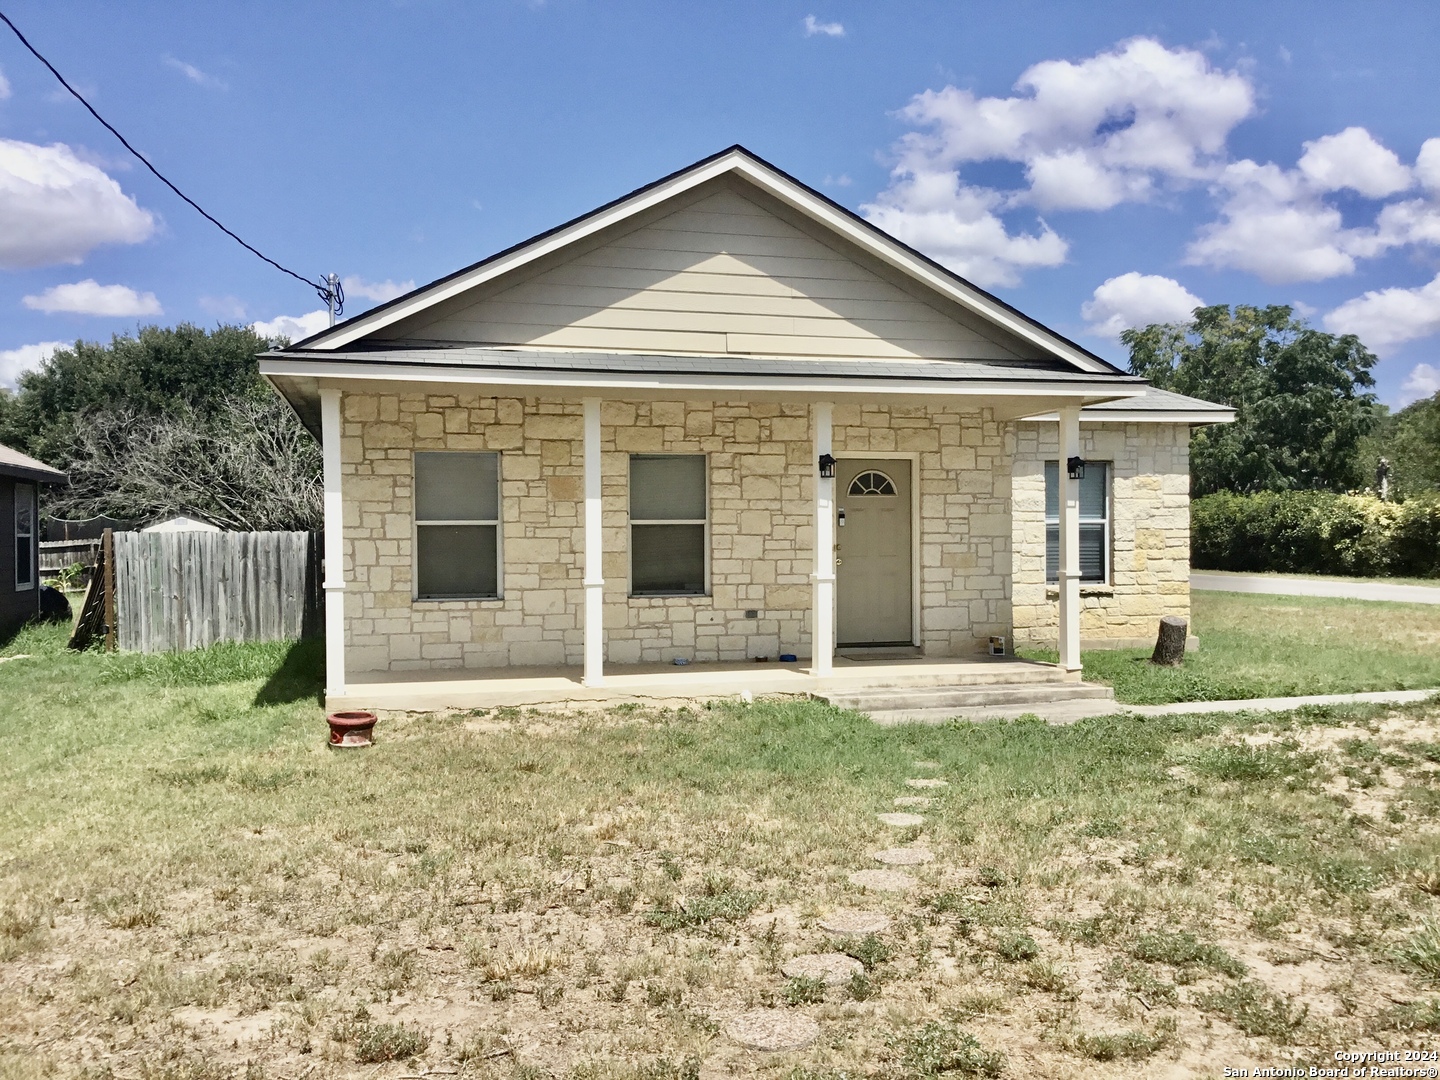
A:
(722, 275)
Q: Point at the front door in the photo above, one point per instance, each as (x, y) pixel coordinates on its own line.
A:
(872, 552)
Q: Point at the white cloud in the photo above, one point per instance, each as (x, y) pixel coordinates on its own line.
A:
(194, 74)
(1385, 317)
(1423, 381)
(224, 307)
(293, 327)
(4, 87)
(1427, 164)
(378, 291)
(1353, 159)
(1135, 299)
(15, 362)
(89, 297)
(55, 208)
(1113, 128)
(814, 26)
(957, 225)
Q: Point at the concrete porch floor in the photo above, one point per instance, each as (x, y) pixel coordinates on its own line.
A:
(424, 691)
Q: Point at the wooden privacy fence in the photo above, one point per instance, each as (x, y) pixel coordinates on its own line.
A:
(167, 592)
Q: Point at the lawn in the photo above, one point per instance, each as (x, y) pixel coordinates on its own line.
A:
(1255, 646)
(194, 887)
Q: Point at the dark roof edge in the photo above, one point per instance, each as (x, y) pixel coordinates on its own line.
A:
(735, 148)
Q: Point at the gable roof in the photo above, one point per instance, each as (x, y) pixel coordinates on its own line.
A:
(24, 467)
(738, 162)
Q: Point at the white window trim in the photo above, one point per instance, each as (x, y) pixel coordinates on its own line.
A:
(630, 584)
(1109, 549)
(32, 569)
(416, 522)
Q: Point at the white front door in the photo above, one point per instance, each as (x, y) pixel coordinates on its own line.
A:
(872, 552)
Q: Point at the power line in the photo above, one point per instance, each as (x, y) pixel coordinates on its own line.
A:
(328, 288)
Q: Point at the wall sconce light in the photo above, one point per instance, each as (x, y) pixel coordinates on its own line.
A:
(827, 466)
(1075, 467)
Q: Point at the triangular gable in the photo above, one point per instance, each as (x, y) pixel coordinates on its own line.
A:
(730, 256)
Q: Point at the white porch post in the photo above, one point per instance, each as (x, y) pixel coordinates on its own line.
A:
(334, 544)
(822, 619)
(594, 573)
(1069, 500)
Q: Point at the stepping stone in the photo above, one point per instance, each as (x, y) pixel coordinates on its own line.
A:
(925, 764)
(913, 800)
(773, 1030)
(851, 921)
(926, 782)
(883, 880)
(833, 969)
(904, 856)
(901, 821)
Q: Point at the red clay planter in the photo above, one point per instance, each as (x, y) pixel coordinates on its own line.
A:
(350, 730)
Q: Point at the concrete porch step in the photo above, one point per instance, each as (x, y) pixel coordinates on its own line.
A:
(873, 700)
(1056, 712)
(921, 677)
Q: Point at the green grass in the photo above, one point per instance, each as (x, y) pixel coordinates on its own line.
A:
(1254, 646)
(181, 852)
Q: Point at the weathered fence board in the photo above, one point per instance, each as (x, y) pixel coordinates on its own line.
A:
(177, 591)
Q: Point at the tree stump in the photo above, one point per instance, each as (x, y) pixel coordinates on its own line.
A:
(1170, 645)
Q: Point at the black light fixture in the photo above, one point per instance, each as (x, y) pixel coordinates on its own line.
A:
(827, 466)
(1075, 467)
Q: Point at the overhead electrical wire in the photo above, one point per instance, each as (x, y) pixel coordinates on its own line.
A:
(329, 289)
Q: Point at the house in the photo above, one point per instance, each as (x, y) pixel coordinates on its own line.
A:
(723, 418)
(20, 479)
(180, 523)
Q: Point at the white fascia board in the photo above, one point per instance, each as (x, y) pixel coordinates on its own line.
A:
(338, 371)
(884, 248)
(1099, 415)
(894, 254)
(528, 254)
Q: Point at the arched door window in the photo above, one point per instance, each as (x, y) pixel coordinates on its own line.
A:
(872, 483)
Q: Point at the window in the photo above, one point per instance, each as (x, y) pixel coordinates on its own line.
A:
(872, 483)
(1094, 522)
(667, 525)
(24, 536)
(457, 526)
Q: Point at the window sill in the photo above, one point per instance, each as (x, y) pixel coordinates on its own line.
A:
(668, 596)
(458, 600)
(1092, 589)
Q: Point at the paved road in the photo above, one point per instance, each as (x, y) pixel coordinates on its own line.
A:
(1296, 586)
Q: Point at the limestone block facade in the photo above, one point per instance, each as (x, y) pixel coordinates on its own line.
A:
(760, 462)
(1150, 533)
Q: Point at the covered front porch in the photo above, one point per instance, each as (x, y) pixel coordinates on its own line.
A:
(659, 684)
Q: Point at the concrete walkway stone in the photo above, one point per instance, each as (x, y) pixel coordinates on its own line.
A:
(901, 821)
(773, 1030)
(904, 856)
(833, 969)
(923, 782)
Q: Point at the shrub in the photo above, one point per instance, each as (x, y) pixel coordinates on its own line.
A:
(1315, 532)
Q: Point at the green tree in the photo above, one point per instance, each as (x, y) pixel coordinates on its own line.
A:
(1410, 441)
(158, 371)
(1301, 397)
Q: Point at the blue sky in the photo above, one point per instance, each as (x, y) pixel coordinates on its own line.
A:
(1097, 165)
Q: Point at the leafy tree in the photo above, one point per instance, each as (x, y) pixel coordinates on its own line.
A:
(1301, 397)
(170, 420)
(1410, 441)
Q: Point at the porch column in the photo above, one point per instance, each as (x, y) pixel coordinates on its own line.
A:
(334, 544)
(1069, 575)
(594, 574)
(822, 618)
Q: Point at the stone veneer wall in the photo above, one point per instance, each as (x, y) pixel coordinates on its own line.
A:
(761, 527)
(1150, 533)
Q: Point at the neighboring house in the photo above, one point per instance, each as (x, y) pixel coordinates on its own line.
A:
(180, 524)
(611, 444)
(20, 479)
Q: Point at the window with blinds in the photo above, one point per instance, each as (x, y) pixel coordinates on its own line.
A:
(1094, 522)
(668, 525)
(457, 525)
(24, 537)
